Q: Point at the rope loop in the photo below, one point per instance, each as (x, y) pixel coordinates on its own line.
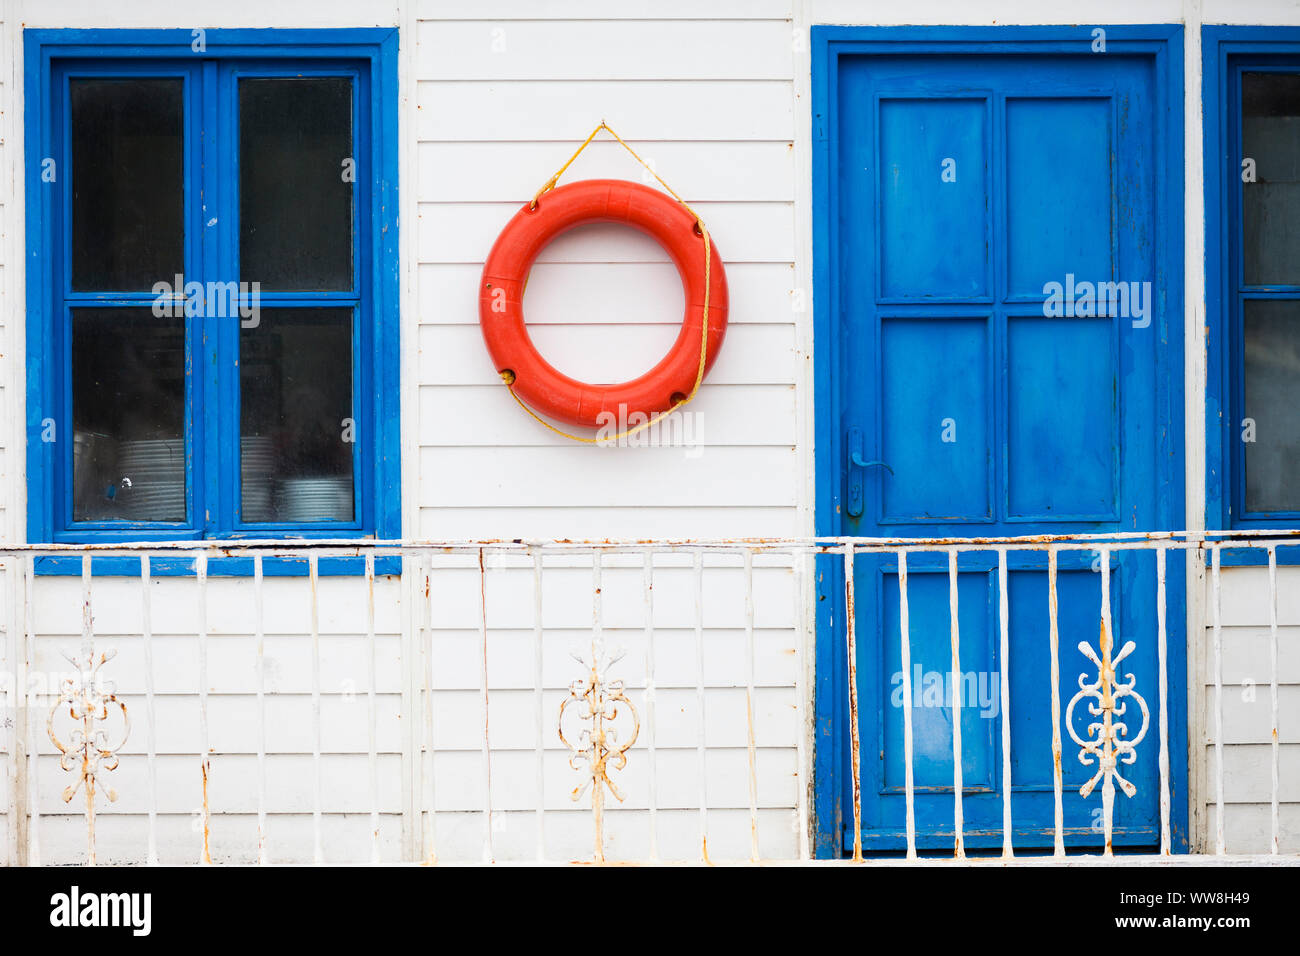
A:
(508, 376)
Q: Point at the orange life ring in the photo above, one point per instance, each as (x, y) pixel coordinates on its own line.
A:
(505, 274)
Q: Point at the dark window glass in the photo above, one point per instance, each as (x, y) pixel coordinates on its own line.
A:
(1270, 135)
(296, 176)
(128, 401)
(127, 183)
(297, 437)
(1272, 342)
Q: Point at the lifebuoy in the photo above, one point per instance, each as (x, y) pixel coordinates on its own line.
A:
(505, 274)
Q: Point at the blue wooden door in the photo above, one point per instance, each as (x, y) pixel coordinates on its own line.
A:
(968, 189)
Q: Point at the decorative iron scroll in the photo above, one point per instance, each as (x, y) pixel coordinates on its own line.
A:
(89, 700)
(594, 708)
(1108, 743)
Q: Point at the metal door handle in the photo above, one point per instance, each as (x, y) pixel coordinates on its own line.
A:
(856, 458)
(854, 496)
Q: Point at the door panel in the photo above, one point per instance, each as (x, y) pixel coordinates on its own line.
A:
(1061, 455)
(1060, 171)
(969, 188)
(917, 139)
(931, 677)
(930, 369)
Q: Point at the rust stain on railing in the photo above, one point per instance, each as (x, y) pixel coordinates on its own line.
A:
(205, 811)
(850, 625)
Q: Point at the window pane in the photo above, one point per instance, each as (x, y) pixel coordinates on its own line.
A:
(128, 195)
(1272, 342)
(295, 373)
(295, 183)
(128, 412)
(1270, 134)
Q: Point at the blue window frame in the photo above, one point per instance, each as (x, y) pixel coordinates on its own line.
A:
(1242, 287)
(193, 354)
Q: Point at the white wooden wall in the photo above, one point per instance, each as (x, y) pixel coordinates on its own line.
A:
(122, 826)
(701, 90)
(704, 91)
(672, 662)
(706, 96)
(1247, 711)
(232, 718)
(496, 95)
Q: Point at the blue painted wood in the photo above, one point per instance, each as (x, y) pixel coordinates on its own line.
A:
(1063, 456)
(932, 725)
(933, 155)
(996, 418)
(1227, 52)
(369, 56)
(932, 369)
(1059, 171)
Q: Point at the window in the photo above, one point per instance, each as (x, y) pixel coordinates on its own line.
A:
(1268, 317)
(212, 332)
(1252, 99)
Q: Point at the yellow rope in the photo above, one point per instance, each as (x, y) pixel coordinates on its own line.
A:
(509, 378)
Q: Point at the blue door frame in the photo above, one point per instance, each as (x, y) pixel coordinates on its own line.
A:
(1162, 45)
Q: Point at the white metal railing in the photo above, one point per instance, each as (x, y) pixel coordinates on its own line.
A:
(602, 724)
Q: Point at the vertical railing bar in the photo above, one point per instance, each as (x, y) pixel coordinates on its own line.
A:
(318, 849)
(488, 852)
(699, 704)
(1107, 701)
(1218, 698)
(797, 560)
(905, 657)
(259, 625)
(598, 670)
(29, 652)
(205, 761)
(1004, 692)
(959, 849)
(1272, 653)
(647, 583)
(1054, 640)
(88, 670)
(538, 702)
(1162, 653)
(87, 614)
(427, 764)
(855, 742)
(749, 705)
(15, 708)
(372, 715)
(151, 738)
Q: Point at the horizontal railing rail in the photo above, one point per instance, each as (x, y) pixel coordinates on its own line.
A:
(692, 754)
